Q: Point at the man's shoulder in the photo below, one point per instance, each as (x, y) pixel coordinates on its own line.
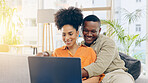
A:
(104, 41)
(105, 38)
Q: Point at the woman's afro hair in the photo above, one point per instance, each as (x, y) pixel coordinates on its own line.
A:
(72, 16)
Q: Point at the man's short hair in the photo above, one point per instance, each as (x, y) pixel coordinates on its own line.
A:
(93, 18)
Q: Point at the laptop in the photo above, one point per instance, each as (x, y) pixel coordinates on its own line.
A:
(54, 69)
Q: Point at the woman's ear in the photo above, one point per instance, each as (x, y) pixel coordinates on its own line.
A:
(77, 33)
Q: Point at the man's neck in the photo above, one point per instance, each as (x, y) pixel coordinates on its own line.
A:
(90, 43)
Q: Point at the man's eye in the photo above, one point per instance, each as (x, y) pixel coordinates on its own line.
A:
(85, 30)
(93, 31)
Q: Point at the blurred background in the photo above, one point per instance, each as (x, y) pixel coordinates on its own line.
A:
(27, 26)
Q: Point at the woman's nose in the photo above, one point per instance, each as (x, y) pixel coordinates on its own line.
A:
(67, 38)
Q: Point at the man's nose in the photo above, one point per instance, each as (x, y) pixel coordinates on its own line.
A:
(89, 33)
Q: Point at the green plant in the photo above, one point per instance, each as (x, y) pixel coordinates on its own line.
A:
(10, 22)
(125, 40)
(138, 56)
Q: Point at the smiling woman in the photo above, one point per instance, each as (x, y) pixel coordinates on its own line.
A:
(69, 36)
(69, 20)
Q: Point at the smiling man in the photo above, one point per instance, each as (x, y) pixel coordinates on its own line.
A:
(108, 59)
(90, 32)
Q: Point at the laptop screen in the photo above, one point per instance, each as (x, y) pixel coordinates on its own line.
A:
(55, 69)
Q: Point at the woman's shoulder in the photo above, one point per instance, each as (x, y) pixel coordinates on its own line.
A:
(87, 50)
(61, 48)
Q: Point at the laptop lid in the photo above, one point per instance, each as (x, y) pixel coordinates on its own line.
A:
(55, 69)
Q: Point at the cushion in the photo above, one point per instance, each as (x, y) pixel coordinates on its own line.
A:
(133, 65)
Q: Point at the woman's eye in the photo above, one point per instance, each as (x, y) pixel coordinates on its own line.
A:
(71, 34)
(94, 31)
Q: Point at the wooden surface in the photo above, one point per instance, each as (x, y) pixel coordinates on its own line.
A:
(96, 9)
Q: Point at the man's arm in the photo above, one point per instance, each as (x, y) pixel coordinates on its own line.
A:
(104, 59)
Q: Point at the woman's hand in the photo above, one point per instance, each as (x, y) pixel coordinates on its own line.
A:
(42, 54)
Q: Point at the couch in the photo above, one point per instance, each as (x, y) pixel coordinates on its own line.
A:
(14, 69)
(142, 79)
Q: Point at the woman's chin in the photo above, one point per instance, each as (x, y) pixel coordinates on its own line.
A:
(68, 45)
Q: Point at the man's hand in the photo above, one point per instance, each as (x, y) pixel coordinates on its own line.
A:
(84, 73)
(42, 54)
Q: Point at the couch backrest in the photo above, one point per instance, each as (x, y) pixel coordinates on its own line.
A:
(14, 69)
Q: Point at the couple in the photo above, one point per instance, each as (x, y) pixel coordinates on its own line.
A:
(101, 62)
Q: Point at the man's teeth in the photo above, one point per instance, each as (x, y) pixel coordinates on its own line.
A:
(89, 38)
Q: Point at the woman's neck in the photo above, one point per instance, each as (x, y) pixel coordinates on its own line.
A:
(73, 48)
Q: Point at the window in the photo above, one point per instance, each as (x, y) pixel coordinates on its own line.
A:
(138, 0)
(92, 1)
(63, 1)
(30, 22)
(139, 44)
(138, 27)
